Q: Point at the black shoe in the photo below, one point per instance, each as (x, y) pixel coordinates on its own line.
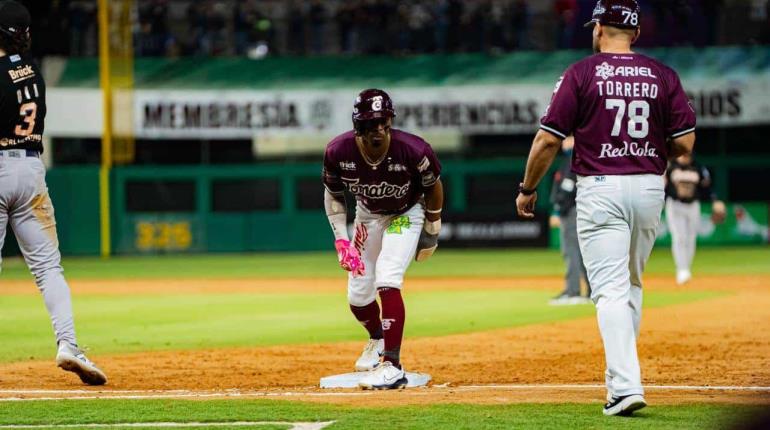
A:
(624, 405)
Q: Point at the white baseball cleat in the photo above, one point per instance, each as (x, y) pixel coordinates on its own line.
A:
(683, 277)
(71, 358)
(624, 405)
(385, 377)
(566, 300)
(370, 357)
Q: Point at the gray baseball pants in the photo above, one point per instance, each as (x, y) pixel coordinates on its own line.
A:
(25, 204)
(570, 249)
(683, 219)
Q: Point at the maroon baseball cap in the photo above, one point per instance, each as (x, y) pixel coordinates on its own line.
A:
(617, 13)
(14, 18)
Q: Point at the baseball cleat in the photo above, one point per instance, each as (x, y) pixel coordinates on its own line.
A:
(385, 377)
(624, 405)
(566, 300)
(370, 357)
(683, 277)
(72, 359)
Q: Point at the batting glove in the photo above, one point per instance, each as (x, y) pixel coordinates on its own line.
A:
(349, 257)
(428, 241)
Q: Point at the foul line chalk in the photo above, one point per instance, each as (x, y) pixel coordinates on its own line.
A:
(20, 395)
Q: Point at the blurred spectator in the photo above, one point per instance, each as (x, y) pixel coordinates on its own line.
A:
(344, 18)
(317, 19)
(672, 22)
(712, 11)
(154, 37)
(495, 27)
(296, 24)
(244, 24)
(82, 29)
(566, 18)
(520, 25)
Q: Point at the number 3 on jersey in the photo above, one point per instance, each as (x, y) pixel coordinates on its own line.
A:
(638, 112)
(28, 112)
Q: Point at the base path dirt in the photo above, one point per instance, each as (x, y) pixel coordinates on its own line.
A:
(720, 341)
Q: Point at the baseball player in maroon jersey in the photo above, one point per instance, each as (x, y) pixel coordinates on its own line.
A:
(629, 115)
(394, 177)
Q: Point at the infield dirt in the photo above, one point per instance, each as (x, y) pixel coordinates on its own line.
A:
(720, 341)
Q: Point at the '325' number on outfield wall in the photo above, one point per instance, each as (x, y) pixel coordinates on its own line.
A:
(163, 236)
(638, 125)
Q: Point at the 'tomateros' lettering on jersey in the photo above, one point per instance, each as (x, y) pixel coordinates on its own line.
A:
(382, 190)
(622, 109)
(390, 187)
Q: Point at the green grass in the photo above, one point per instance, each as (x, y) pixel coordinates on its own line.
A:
(544, 416)
(132, 323)
(446, 262)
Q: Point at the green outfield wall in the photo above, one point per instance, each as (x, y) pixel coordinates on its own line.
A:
(279, 207)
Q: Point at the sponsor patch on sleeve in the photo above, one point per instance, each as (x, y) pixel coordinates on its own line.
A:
(423, 165)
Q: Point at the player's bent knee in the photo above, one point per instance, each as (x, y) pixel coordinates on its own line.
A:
(361, 298)
(44, 274)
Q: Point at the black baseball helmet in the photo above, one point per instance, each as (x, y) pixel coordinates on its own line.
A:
(617, 13)
(14, 19)
(369, 105)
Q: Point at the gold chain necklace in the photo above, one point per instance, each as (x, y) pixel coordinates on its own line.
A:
(368, 160)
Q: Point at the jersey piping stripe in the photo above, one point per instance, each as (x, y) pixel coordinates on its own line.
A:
(432, 183)
(554, 131)
(335, 193)
(682, 133)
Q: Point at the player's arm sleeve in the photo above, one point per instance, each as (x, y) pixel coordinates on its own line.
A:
(681, 120)
(561, 114)
(331, 175)
(334, 198)
(428, 167)
(706, 185)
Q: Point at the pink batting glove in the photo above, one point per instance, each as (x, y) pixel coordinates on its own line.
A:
(349, 257)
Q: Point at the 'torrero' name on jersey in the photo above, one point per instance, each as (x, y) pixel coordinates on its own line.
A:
(628, 89)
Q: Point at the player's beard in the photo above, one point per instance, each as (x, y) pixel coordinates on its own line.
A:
(378, 141)
(595, 40)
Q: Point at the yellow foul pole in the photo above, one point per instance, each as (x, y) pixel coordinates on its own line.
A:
(106, 165)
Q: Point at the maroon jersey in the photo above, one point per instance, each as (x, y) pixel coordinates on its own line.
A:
(621, 108)
(390, 187)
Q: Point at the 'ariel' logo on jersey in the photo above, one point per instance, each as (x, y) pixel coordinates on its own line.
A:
(376, 191)
(605, 71)
(399, 223)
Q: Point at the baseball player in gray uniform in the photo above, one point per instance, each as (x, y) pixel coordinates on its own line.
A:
(686, 184)
(563, 193)
(24, 200)
(629, 115)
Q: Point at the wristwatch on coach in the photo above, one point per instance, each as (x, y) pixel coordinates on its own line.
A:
(526, 191)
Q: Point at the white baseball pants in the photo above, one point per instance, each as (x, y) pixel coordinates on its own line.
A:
(618, 218)
(388, 244)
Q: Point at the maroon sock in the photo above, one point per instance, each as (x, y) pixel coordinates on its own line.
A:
(369, 317)
(393, 315)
